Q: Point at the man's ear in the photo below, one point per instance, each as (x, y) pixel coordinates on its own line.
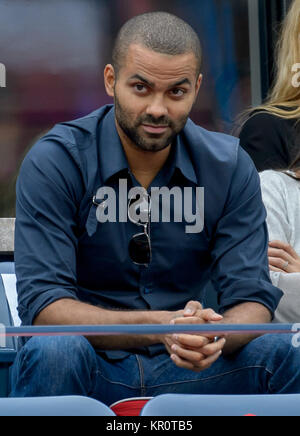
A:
(109, 80)
(198, 84)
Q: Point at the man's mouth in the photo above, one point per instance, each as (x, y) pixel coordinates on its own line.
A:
(154, 129)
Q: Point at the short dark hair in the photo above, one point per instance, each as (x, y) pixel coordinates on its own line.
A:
(159, 31)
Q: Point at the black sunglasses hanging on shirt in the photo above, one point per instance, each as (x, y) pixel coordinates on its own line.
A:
(140, 244)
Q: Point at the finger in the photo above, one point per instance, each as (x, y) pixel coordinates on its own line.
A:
(201, 366)
(202, 317)
(277, 244)
(191, 308)
(206, 363)
(278, 263)
(273, 268)
(189, 355)
(193, 320)
(168, 339)
(189, 320)
(181, 363)
(206, 315)
(210, 315)
(276, 252)
(191, 341)
(211, 349)
(284, 246)
(188, 341)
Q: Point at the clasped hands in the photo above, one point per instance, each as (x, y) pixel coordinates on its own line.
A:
(193, 351)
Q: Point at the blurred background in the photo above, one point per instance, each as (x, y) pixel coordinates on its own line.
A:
(55, 52)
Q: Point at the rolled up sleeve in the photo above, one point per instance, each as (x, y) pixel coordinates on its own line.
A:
(240, 270)
(45, 235)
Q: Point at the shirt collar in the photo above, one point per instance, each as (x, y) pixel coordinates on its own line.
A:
(113, 158)
(183, 161)
(112, 155)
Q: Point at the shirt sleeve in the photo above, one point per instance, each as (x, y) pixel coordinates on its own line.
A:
(266, 139)
(47, 195)
(274, 199)
(240, 271)
(289, 307)
(275, 196)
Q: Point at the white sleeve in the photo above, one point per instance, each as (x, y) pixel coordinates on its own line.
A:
(275, 200)
(275, 197)
(288, 310)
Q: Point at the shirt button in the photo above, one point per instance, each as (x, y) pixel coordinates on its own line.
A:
(145, 290)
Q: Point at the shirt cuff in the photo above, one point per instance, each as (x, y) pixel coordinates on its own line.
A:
(43, 300)
(255, 291)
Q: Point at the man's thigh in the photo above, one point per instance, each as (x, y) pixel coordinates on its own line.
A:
(268, 364)
(68, 365)
(117, 379)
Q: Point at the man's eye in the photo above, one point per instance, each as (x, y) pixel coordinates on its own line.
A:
(139, 87)
(177, 92)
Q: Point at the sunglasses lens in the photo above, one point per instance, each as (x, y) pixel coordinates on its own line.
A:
(139, 249)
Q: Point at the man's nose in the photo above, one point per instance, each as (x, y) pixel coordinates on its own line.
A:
(157, 108)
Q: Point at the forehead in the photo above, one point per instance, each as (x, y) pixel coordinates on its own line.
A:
(159, 67)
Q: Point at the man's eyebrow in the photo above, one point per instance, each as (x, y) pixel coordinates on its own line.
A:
(142, 79)
(181, 82)
(152, 85)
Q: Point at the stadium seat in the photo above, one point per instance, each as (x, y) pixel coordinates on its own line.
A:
(53, 406)
(7, 267)
(8, 300)
(223, 405)
(129, 406)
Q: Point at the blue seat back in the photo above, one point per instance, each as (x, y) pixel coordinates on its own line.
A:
(7, 267)
(7, 306)
(53, 406)
(8, 303)
(223, 405)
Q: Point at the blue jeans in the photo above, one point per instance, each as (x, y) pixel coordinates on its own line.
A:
(51, 366)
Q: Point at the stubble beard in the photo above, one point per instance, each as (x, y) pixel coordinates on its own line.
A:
(147, 142)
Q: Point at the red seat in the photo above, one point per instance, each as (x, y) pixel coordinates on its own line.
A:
(129, 406)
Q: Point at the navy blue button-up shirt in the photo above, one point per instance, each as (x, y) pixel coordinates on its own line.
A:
(62, 251)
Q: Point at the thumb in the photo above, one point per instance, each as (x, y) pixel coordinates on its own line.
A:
(210, 315)
(191, 308)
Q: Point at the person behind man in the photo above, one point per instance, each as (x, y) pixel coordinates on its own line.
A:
(281, 197)
(75, 267)
(271, 136)
(270, 133)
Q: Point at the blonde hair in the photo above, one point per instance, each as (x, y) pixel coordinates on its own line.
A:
(284, 92)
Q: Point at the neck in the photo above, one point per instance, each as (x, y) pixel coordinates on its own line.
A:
(144, 165)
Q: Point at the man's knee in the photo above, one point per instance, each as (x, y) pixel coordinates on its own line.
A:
(47, 366)
(276, 343)
(275, 351)
(56, 352)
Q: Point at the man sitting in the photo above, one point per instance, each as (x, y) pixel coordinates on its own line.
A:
(83, 257)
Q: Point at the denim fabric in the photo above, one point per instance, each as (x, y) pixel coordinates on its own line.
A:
(51, 366)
